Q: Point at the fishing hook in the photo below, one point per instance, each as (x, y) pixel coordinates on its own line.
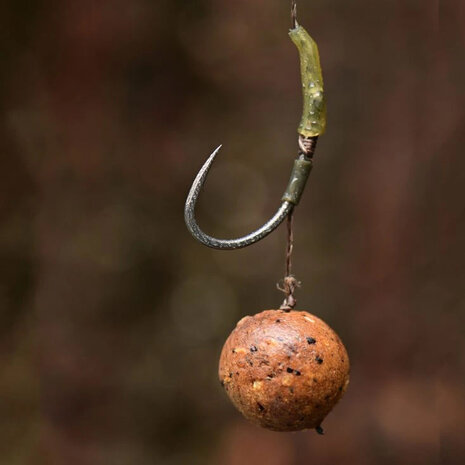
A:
(312, 125)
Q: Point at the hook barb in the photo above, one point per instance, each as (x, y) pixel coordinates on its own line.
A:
(227, 244)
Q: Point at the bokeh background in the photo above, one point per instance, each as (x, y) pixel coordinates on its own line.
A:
(112, 317)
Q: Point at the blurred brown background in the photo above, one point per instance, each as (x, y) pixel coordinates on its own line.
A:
(112, 317)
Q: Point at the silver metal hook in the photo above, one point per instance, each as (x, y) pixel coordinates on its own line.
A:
(311, 126)
(189, 216)
(291, 197)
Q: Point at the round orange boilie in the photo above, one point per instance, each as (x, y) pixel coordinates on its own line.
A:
(284, 371)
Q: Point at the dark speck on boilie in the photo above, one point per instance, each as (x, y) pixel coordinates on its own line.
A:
(319, 360)
(310, 340)
(253, 349)
(291, 370)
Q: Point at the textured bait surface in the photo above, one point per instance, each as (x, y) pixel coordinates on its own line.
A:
(313, 121)
(284, 371)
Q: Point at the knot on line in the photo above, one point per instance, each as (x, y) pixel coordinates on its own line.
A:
(290, 284)
(307, 145)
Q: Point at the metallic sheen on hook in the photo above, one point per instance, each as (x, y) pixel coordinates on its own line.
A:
(312, 124)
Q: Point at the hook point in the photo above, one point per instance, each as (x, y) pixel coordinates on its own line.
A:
(215, 152)
(211, 158)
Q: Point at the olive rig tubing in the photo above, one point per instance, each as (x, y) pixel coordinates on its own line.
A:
(312, 125)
